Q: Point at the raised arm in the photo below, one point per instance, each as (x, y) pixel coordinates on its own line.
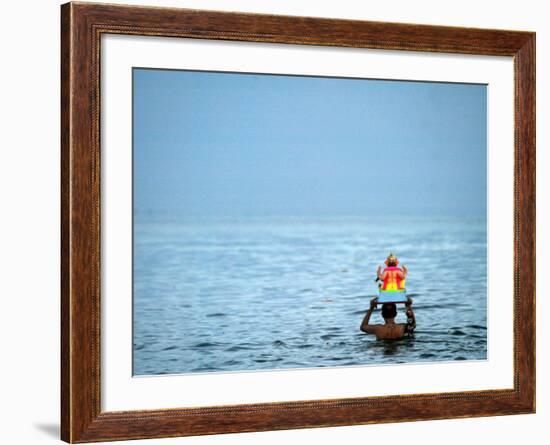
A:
(365, 326)
(405, 271)
(381, 275)
(411, 319)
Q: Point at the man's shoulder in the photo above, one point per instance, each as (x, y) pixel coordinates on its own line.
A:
(395, 331)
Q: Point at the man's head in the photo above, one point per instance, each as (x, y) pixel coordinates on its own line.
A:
(392, 260)
(389, 311)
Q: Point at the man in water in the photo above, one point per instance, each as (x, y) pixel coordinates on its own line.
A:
(390, 330)
(393, 277)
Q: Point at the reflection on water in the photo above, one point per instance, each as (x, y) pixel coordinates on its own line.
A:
(291, 293)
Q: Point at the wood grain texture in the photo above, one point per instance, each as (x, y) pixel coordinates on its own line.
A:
(65, 226)
(81, 28)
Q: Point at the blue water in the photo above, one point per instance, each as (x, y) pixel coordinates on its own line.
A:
(275, 293)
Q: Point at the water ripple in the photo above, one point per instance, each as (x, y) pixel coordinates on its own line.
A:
(248, 295)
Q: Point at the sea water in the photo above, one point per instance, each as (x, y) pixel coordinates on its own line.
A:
(220, 295)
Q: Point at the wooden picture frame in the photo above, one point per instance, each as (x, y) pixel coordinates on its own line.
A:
(82, 25)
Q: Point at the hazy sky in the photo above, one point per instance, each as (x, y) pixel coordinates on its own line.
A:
(223, 144)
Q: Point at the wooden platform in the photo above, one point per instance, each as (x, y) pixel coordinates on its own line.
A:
(392, 297)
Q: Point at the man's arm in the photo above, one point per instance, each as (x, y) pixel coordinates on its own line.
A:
(365, 326)
(411, 319)
(410, 315)
(405, 271)
(381, 275)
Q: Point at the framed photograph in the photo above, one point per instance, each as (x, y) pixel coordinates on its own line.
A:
(274, 222)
